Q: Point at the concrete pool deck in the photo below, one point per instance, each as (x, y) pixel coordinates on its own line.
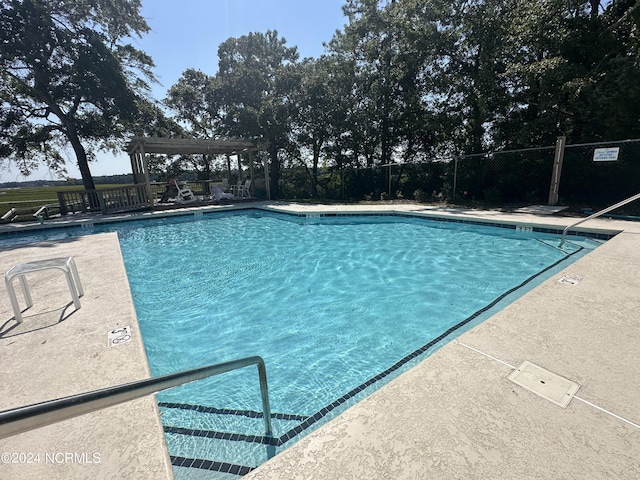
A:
(455, 415)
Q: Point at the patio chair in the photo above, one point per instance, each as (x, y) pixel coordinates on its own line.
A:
(235, 189)
(10, 216)
(217, 193)
(185, 194)
(243, 190)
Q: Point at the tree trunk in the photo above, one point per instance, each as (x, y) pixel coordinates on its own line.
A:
(476, 131)
(206, 168)
(274, 172)
(71, 133)
(595, 5)
(317, 145)
(81, 158)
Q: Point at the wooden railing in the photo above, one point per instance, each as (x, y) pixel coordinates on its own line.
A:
(110, 200)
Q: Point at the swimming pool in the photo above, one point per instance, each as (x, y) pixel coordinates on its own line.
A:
(210, 288)
(335, 305)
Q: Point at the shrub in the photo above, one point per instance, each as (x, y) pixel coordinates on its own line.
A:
(419, 195)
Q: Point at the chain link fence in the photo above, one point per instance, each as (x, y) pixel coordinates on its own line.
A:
(425, 181)
(588, 179)
(502, 178)
(509, 177)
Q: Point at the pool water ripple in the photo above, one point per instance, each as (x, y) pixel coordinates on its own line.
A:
(328, 304)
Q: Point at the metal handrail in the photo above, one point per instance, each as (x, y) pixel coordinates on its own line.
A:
(30, 417)
(597, 214)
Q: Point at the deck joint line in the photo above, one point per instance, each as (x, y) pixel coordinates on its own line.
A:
(485, 354)
(575, 396)
(607, 412)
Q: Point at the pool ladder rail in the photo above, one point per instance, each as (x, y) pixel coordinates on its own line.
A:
(31, 417)
(597, 214)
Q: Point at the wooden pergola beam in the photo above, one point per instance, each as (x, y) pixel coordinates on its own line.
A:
(139, 147)
(186, 146)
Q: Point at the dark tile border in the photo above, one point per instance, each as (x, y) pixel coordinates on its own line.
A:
(221, 467)
(439, 219)
(224, 411)
(301, 215)
(312, 419)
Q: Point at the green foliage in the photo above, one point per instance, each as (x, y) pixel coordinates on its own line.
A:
(410, 80)
(254, 84)
(405, 80)
(385, 108)
(194, 102)
(68, 77)
(461, 77)
(573, 70)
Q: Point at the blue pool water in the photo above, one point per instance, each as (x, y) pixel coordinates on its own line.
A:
(330, 304)
(336, 306)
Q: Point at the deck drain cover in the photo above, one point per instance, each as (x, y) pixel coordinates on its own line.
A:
(542, 382)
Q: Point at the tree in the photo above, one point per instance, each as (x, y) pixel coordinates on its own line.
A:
(389, 45)
(573, 67)
(316, 104)
(457, 60)
(370, 43)
(254, 84)
(193, 100)
(68, 76)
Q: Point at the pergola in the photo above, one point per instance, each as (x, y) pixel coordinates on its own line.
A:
(139, 147)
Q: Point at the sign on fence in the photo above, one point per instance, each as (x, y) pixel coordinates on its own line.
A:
(606, 154)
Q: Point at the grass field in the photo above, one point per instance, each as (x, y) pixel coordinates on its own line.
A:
(29, 199)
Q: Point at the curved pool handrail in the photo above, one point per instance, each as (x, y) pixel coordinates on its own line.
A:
(597, 214)
(30, 417)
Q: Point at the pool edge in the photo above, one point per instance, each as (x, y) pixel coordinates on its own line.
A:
(603, 226)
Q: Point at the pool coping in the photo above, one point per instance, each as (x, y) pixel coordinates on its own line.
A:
(552, 225)
(58, 351)
(456, 414)
(289, 465)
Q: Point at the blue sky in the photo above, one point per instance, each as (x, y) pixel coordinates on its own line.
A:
(186, 34)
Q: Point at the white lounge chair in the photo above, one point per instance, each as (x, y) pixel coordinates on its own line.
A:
(185, 194)
(218, 194)
(235, 189)
(10, 216)
(243, 190)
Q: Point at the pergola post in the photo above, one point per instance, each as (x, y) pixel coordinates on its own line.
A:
(147, 179)
(265, 161)
(140, 170)
(251, 171)
(139, 147)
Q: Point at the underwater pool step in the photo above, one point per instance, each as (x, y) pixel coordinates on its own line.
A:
(231, 436)
(225, 440)
(237, 422)
(211, 465)
(227, 411)
(217, 448)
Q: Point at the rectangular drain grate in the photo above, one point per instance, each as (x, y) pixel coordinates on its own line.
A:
(542, 382)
